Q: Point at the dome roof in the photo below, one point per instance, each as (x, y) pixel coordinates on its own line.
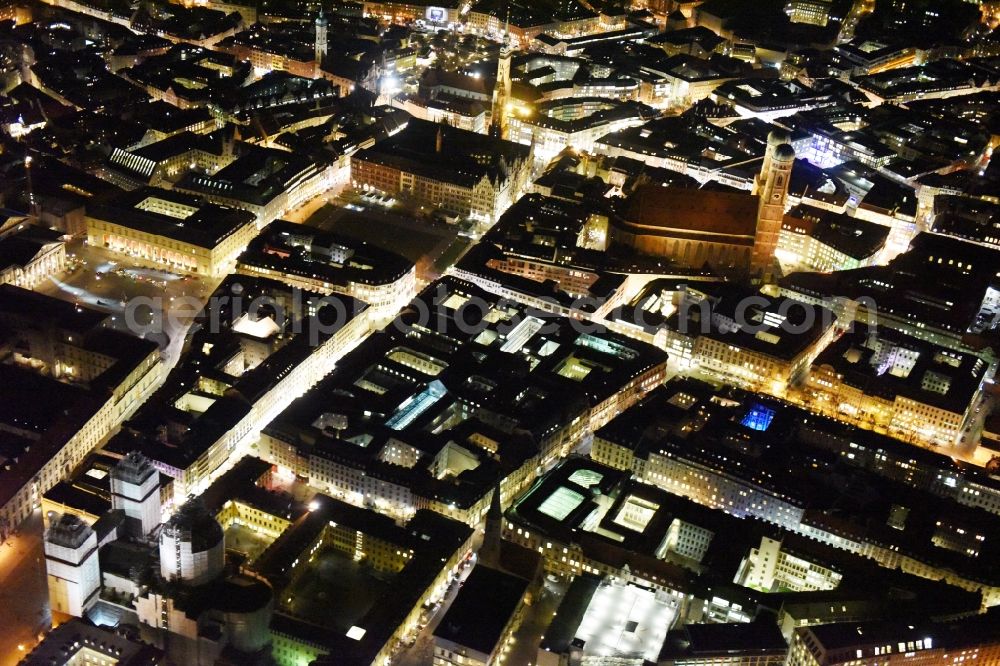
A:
(193, 523)
(777, 137)
(784, 152)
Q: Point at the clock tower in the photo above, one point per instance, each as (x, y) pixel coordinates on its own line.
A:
(501, 91)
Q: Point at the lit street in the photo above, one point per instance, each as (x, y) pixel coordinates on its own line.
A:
(24, 600)
(537, 617)
(421, 652)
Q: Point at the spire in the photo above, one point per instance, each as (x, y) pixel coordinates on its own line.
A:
(489, 552)
(439, 141)
(496, 509)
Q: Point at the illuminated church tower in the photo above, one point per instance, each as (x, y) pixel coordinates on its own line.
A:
(501, 91)
(321, 26)
(771, 185)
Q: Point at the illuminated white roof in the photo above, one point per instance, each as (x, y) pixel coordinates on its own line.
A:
(561, 503)
(263, 328)
(625, 621)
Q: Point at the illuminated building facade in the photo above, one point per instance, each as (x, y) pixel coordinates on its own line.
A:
(771, 567)
(690, 227)
(630, 543)
(689, 79)
(30, 254)
(322, 24)
(94, 378)
(85, 492)
(450, 110)
(437, 421)
(267, 56)
(191, 546)
(911, 389)
(74, 575)
(813, 239)
(267, 182)
(972, 640)
(239, 375)
(184, 74)
(938, 79)
(188, 602)
(730, 231)
(954, 275)
(811, 12)
(445, 13)
(688, 464)
(418, 559)
(80, 643)
(771, 185)
(481, 177)
(332, 264)
(135, 489)
(178, 231)
(480, 624)
(526, 24)
(576, 122)
(169, 158)
(769, 350)
(871, 56)
(501, 89)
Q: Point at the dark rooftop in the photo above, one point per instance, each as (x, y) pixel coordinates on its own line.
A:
(704, 641)
(207, 225)
(471, 156)
(482, 609)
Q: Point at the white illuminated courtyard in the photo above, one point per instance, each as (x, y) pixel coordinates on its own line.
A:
(624, 621)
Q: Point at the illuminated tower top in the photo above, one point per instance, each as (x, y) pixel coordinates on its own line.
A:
(501, 91)
(775, 138)
(135, 488)
(772, 188)
(505, 47)
(321, 27)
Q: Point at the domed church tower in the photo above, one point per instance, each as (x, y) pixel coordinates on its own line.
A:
(771, 185)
